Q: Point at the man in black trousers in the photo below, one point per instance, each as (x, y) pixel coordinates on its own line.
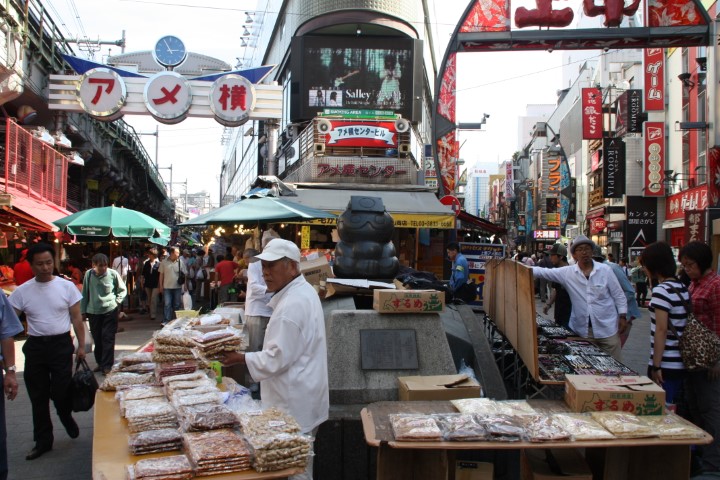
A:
(51, 304)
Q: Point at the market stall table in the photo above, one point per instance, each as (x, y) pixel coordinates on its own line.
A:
(111, 454)
(619, 459)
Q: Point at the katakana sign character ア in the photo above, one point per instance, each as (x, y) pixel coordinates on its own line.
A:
(109, 85)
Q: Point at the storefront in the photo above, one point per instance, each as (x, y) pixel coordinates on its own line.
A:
(684, 210)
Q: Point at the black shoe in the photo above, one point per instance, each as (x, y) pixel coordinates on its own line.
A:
(71, 427)
(37, 452)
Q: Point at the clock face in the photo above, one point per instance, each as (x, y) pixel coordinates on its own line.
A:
(169, 51)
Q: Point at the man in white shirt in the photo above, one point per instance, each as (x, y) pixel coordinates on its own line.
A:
(599, 306)
(51, 305)
(292, 366)
(169, 285)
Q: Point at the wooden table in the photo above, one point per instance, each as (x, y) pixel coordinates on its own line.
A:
(111, 454)
(618, 459)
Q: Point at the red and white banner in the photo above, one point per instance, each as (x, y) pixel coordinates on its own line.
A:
(654, 171)
(592, 113)
(677, 206)
(654, 63)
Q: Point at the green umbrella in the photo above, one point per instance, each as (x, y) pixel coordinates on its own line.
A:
(112, 222)
(263, 209)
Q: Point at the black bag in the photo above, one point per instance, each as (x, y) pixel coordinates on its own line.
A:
(84, 385)
(181, 278)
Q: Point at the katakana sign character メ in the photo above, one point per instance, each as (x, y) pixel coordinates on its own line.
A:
(168, 95)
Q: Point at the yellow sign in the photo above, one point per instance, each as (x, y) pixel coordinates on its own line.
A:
(402, 220)
(305, 236)
(92, 184)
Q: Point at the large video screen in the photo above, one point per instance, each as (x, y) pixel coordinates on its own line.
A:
(377, 73)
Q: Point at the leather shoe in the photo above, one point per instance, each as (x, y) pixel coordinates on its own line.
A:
(97, 369)
(71, 427)
(37, 452)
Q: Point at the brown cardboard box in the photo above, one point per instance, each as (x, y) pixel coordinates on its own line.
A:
(408, 301)
(467, 470)
(316, 270)
(556, 463)
(437, 387)
(594, 393)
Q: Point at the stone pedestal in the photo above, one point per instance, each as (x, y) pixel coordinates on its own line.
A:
(350, 384)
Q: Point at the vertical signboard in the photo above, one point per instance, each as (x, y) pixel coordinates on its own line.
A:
(592, 113)
(629, 113)
(654, 159)
(641, 221)
(477, 255)
(613, 168)
(694, 225)
(509, 179)
(654, 62)
(554, 177)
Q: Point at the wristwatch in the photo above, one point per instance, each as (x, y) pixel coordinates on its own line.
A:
(655, 369)
(11, 368)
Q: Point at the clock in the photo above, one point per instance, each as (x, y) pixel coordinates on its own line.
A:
(170, 51)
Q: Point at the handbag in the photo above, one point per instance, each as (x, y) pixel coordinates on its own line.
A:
(84, 385)
(699, 346)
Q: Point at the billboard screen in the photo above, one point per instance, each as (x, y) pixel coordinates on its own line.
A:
(378, 73)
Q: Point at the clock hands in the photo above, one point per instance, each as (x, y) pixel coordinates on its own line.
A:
(170, 50)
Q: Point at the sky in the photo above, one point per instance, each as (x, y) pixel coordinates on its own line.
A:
(498, 84)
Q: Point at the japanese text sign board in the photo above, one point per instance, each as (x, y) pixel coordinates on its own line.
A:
(232, 98)
(509, 180)
(102, 93)
(654, 66)
(366, 134)
(654, 171)
(695, 225)
(629, 112)
(592, 119)
(678, 204)
(596, 393)
(168, 97)
(641, 226)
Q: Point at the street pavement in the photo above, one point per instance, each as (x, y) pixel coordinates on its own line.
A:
(72, 459)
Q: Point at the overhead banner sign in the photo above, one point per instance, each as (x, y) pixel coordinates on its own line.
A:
(613, 168)
(592, 113)
(654, 63)
(654, 169)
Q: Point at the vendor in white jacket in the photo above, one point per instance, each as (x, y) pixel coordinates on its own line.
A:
(292, 366)
(599, 306)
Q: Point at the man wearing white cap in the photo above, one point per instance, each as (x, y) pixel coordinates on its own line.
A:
(599, 307)
(292, 366)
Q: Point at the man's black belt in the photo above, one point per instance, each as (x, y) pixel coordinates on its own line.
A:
(49, 338)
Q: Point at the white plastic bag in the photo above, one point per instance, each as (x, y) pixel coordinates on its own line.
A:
(187, 300)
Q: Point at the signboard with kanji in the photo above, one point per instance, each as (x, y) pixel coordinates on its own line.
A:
(232, 98)
(695, 226)
(592, 120)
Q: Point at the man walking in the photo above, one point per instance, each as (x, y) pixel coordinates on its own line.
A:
(599, 307)
(50, 304)
(293, 362)
(103, 293)
(150, 280)
(169, 284)
(459, 272)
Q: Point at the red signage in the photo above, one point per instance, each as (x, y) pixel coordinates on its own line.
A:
(452, 202)
(344, 133)
(653, 174)
(677, 206)
(592, 113)
(597, 225)
(654, 63)
(595, 160)
(694, 225)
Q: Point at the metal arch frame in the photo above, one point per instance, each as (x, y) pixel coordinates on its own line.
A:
(558, 39)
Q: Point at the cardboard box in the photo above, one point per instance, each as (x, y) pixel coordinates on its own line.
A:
(408, 301)
(555, 463)
(437, 387)
(594, 393)
(316, 270)
(467, 470)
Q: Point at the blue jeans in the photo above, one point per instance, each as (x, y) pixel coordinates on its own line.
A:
(172, 298)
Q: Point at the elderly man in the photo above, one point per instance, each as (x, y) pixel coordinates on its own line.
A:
(599, 307)
(292, 365)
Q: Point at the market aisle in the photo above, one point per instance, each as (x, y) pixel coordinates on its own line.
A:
(69, 459)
